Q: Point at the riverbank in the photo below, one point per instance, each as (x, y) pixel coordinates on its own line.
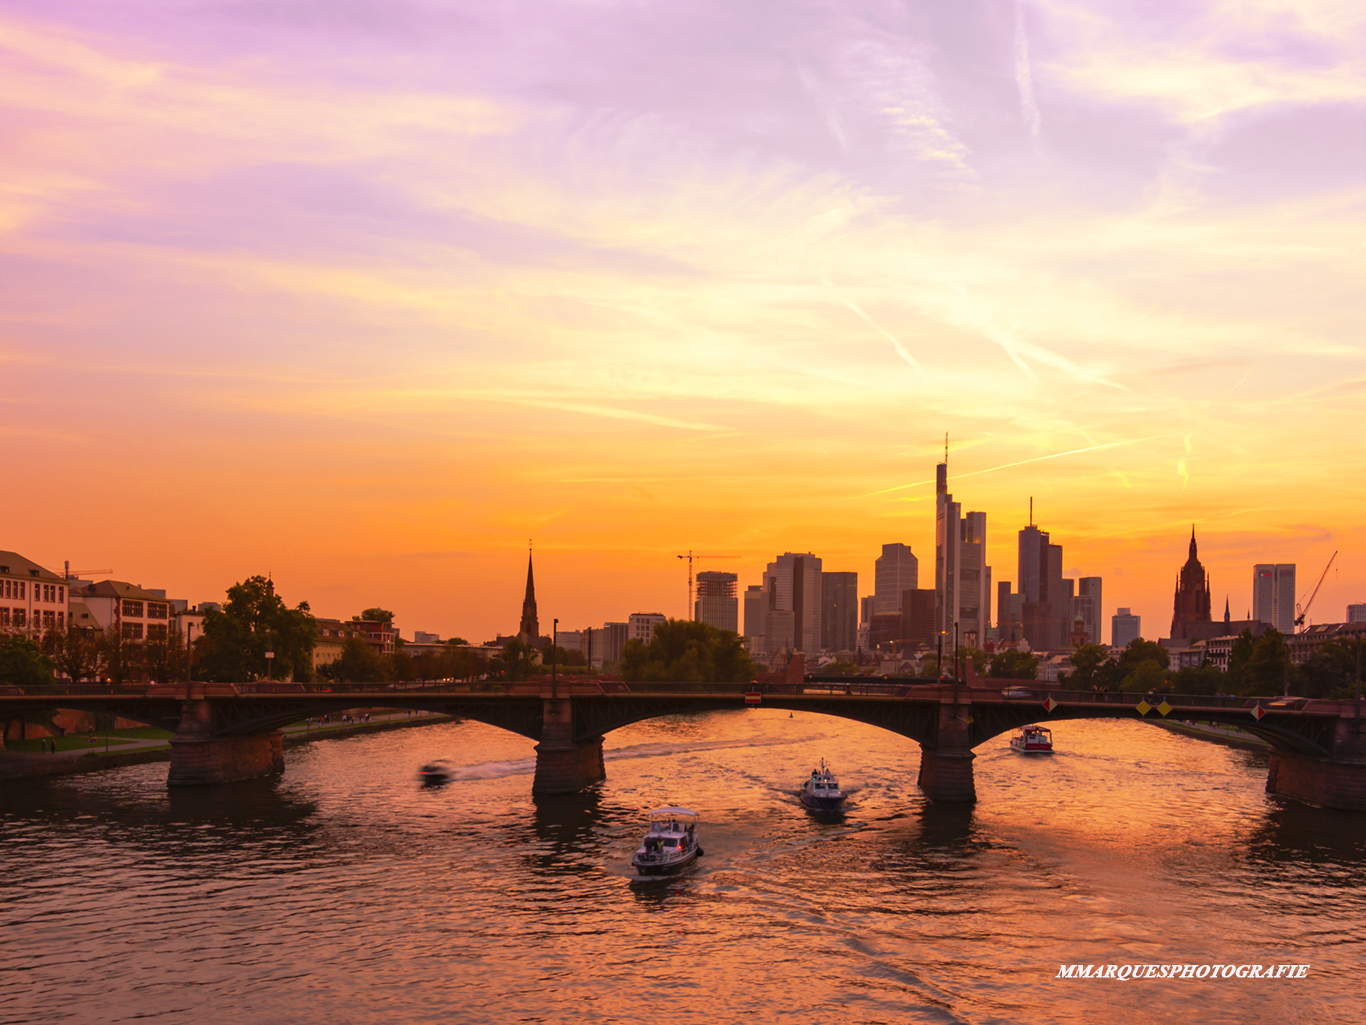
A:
(1218, 733)
(22, 766)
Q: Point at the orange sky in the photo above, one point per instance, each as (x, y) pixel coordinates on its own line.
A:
(367, 308)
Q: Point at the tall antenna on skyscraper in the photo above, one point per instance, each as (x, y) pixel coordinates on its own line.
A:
(946, 448)
(1031, 510)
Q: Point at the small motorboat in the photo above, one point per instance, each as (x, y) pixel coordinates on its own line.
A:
(435, 774)
(1033, 740)
(821, 791)
(670, 843)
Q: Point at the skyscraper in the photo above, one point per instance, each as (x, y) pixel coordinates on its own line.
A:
(716, 601)
(756, 604)
(895, 571)
(793, 583)
(1273, 595)
(1356, 613)
(1045, 611)
(962, 579)
(1124, 628)
(1089, 598)
(839, 611)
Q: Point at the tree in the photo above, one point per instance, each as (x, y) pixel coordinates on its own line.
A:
(1268, 669)
(1332, 670)
(681, 650)
(1088, 661)
(378, 615)
(163, 658)
(1012, 664)
(558, 656)
(1146, 676)
(1239, 657)
(841, 669)
(357, 663)
(75, 652)
(255, 620)
(1201, 679)
(517, 661)
(23, 665)
(122, 657)
(1140, 651)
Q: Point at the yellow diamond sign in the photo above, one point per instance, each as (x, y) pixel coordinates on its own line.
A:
(1144, 708)
(1049, 704)
(1164, 708)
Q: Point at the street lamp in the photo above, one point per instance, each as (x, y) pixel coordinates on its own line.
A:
(189, 668)
(554, 643)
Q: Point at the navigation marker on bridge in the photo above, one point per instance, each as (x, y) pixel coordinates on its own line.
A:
(1143, 708)
(1164, 708)
(1257, 712)
(1049, 703)
(753, 697)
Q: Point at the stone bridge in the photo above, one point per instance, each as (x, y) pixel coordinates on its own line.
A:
(225, 732)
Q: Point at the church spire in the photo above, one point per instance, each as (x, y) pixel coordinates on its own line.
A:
(1192, 540)
(530, 630)
(1226, 618)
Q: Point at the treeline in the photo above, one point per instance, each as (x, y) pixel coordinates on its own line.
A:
(1257, 666)
(683, 651)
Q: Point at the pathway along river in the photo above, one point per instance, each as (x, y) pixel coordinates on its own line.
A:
(342, 892)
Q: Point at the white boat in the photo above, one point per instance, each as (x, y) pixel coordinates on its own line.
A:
(670, 843)
(1033, 740)
(821, 791)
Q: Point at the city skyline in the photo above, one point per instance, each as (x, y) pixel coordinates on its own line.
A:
(365, 309)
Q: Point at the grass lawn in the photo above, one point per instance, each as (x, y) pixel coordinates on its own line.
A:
(70, 743)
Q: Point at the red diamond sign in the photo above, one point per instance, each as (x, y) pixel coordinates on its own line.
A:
(1049, 704)
(1257, 712)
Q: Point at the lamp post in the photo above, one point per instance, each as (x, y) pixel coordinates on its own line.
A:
(554, 655)
(189, 667)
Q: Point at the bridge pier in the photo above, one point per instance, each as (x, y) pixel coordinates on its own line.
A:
(198, 758)
(563, 765)
(1337, 782)
(946, 768)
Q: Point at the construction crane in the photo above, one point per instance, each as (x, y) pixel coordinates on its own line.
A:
(1299, 619)
(73, 573)
(690, 557)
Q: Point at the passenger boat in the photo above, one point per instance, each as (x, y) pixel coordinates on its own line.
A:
(434, 774)
(670, 843)
(1033, 740)
(821, 791)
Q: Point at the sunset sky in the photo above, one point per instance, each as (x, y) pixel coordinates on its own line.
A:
(366, 295)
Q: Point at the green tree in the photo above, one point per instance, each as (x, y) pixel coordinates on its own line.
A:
(1239, 658)
(1014, 665)
(683, 651)
(1332, 670)
(516, 661)
(1268, 668)
(1140, 651)
(1146, 676)
(76, 653)
(1202, 679)
(357, 663)
(163, 658)
(23, 665)
(378, 615)
(558, 656)
(255, 620)
(1088, 661)
(122, 657)
(841, 669)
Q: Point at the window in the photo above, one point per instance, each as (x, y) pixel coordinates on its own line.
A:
(61, 621)
(8, 590)
(156, 610)
(19, 618)
(61, 595)
(132, 631)
(4, 617)
(132, 608)
(156, 631)
(49, 619)
(19, 586)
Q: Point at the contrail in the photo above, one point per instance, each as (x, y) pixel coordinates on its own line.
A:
(900, 349)
(1022, 462)
(1181, 465)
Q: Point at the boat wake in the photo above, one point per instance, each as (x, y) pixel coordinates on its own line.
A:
(527, 766)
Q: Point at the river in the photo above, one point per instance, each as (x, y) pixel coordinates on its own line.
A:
(342, 892)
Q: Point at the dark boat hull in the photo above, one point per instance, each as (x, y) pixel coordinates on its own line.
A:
(828, 805)
(665, 868)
